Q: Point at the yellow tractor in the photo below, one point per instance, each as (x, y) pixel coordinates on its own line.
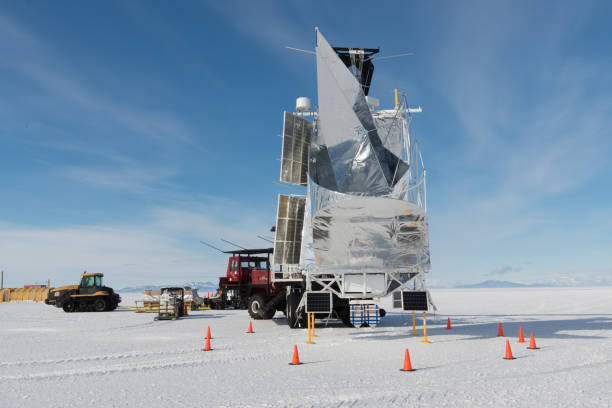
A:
(88, 296)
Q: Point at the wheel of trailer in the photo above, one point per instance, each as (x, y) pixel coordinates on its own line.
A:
(345, 316)
(99, 305)
(256, 303)
(295, 322)
(68, 306)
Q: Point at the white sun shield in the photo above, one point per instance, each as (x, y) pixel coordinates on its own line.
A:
(366, 284)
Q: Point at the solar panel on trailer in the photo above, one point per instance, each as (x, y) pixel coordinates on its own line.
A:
(318, 302)
(397, 300)
(289, 224)
(415, 300)
(296, 142)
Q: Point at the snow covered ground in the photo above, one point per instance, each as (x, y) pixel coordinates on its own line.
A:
(117, 359)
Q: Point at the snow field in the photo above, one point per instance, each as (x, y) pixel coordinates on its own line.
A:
(121, 358)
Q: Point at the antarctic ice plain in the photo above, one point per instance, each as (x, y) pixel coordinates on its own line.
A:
(119, 359)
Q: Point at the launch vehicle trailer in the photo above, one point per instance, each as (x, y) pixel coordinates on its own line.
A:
(359, 231)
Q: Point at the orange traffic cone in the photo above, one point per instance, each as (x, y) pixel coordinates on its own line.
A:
(207, 345)
(521, 338)
(250, 328)
(208, 333)
(532, 344)
(296, 357)
(508, 351)
(500, 331)
(407, 364)
(448, 325)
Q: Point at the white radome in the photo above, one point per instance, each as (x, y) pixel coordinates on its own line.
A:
(302, 104)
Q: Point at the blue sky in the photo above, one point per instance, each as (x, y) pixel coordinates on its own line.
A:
(130, 131)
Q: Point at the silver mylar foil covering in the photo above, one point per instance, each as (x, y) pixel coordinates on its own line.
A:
(362, 210)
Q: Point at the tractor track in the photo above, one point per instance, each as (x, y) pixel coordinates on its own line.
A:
(93, 358)
(186, 358)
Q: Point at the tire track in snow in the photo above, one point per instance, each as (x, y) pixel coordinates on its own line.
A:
(144, 366)
(105, 357)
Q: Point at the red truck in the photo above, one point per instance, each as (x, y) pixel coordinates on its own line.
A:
(247, 284)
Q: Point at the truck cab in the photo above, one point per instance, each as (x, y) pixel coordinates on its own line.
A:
(255, 269)
(247, 285)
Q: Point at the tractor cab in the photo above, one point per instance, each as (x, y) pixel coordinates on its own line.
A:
(248, 269)
(90, 283)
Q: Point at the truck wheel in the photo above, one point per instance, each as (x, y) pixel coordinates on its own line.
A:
(68, 306)
(269, 314)
(256, 302)
(294, 321)
(83, 307)
(99, 305)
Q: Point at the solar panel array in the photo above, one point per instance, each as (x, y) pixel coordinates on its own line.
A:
(289, 224)
(296, 141)
(415, 300)
(318, 302)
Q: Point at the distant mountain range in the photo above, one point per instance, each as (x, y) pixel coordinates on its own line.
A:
(204, 287)
(201, 286)
(497, 284)
(553, 283)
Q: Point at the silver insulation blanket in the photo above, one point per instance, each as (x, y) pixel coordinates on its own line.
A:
(359, 212)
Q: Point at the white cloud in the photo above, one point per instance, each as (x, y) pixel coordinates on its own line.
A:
(265, 22)
(14, 30)
(131, 178)
(30, 57)
(165, 249)
(526, 149)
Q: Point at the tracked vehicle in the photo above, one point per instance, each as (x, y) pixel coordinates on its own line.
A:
(88, 296)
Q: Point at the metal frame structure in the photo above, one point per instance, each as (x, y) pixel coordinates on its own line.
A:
(394, 280)
(365, 231)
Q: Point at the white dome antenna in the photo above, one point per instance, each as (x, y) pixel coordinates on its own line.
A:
(302, 104)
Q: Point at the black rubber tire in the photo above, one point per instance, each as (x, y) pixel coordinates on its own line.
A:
(68, 306)
(83, 307)
(295, 322)
(256, 302)
(99, 305)
(346, 319)
(382, 312)
(345, 316)
(269, 314)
